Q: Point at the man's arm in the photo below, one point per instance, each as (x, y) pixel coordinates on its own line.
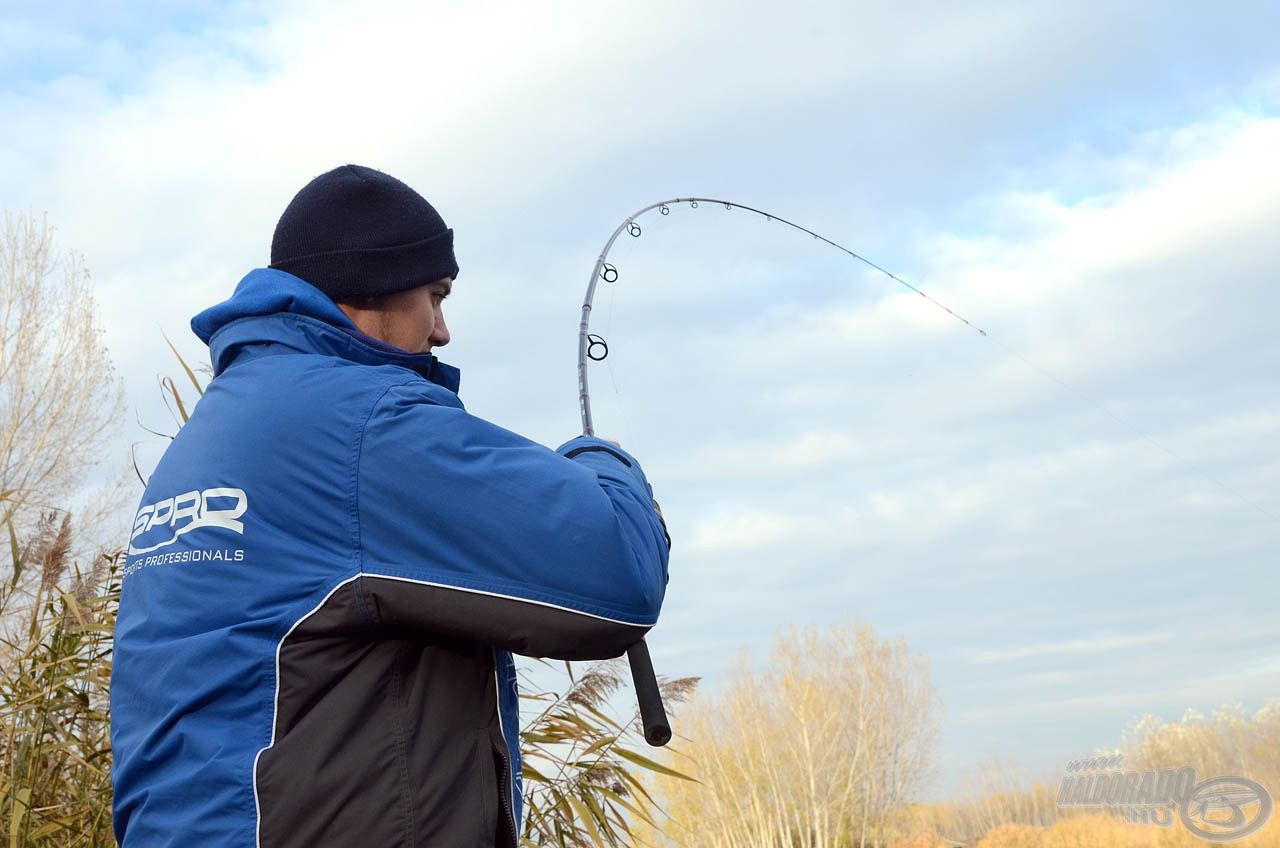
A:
(471, 531)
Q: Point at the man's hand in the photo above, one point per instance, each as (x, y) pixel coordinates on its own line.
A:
(656, 507)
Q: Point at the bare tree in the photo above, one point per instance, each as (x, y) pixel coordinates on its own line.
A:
(1230, 741)
(819, 749)
(60, 401)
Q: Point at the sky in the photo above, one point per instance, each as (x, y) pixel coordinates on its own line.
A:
(1075, 518)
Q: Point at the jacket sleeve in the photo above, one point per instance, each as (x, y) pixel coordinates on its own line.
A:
(470, 531)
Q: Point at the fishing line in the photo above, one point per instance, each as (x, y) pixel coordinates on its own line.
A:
(626, 251)
(594, 348)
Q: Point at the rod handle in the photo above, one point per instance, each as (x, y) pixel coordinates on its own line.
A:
(657, 730)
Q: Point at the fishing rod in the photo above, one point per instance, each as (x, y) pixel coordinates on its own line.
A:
(593, 348)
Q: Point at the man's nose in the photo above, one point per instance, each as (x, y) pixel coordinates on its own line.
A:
(439, 334)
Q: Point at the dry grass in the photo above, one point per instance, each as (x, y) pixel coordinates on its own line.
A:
(55, 670)
(1102, 831)
(1014, 812)
(583, 766)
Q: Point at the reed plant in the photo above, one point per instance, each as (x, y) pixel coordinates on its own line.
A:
(55, 670)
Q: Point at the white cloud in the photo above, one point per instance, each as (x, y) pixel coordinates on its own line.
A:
(1090, 645)
(730, 530)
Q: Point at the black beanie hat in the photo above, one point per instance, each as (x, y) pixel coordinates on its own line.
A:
(355, 232)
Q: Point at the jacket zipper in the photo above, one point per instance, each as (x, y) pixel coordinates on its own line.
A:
(505, 792)
(504, 754)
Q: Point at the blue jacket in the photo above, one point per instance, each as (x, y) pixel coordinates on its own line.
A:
(327, 574)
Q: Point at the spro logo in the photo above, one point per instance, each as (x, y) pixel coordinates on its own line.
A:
(179, 515)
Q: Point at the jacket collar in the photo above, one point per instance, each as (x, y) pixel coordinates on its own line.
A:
(274, 307)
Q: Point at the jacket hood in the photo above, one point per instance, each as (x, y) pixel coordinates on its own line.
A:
(275, 307)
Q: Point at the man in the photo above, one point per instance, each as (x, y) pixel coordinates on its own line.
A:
(333, 560)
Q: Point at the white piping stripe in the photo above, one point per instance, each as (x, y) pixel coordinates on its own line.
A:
(508, 597)
(275, 710)
(511, 765)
